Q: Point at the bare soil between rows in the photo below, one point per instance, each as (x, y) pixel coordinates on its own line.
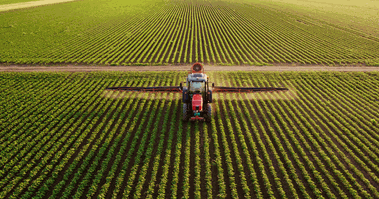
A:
(83, 68)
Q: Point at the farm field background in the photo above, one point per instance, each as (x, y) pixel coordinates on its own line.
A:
(160, 32)
(62, 135)
(360, 15)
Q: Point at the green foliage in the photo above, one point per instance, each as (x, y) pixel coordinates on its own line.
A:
(62, 135)
(373, 64)
(155, 32)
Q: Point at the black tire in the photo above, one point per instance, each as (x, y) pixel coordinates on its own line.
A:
(185, 112)
(208, 113)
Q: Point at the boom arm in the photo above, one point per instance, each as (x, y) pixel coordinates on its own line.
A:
(172, 89)
(221, 89)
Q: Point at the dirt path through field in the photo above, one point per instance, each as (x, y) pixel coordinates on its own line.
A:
(71, 68)
(30, 4)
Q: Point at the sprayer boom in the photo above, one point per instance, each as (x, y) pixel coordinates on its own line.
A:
(172, 89)
(221, 89)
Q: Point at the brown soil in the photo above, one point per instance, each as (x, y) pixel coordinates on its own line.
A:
(83, 68)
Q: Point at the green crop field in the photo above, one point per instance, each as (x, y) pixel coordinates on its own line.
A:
(63, 136)
(160, 32)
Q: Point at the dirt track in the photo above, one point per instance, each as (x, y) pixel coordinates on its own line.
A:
(29, 4)
(71, 68)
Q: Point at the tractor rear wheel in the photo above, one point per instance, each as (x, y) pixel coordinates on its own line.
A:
(185, 112)
(208, 113)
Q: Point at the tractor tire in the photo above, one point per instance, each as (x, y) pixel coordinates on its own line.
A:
(208, 113)
(185, 113)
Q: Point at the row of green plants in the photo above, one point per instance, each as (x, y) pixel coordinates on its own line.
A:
(64, 136)
(39, 151)
(212, 32)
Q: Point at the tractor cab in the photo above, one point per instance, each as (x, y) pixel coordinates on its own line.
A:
(197, 83)
(196, 87)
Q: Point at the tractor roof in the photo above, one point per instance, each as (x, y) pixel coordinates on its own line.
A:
(197, 77)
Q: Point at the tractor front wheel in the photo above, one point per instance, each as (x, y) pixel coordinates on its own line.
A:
(185, 112)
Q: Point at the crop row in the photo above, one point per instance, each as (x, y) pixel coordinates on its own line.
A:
(212, 32)
(66, 136)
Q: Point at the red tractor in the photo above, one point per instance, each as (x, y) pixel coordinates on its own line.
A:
(197, 94)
